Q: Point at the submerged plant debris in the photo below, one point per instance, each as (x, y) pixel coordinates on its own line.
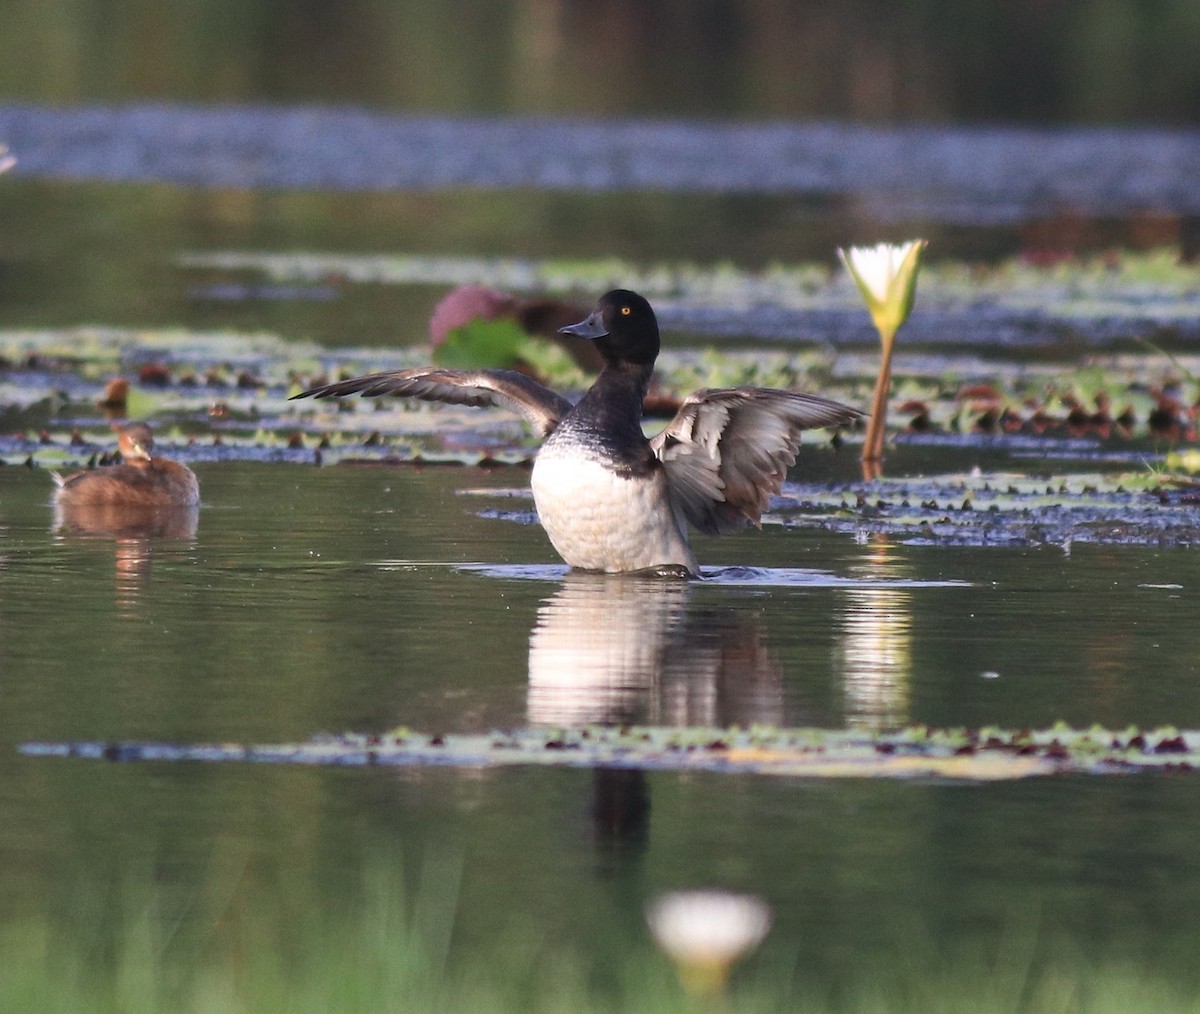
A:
(920, 752)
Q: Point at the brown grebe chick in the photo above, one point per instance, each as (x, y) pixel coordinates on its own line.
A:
(141, 480)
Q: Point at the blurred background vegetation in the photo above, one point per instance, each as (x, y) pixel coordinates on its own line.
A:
(1068, 61)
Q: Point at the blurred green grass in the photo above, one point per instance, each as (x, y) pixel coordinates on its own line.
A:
(139, 947)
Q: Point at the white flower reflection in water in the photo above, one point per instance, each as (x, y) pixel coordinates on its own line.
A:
(875, 643)
(705, 933)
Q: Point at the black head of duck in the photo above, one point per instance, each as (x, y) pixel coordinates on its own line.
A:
(624, 328)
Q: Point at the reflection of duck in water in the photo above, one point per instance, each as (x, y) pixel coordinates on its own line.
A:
(626, 648)
(597, 648)
(610, 499)
(623, 648)
(141, 480)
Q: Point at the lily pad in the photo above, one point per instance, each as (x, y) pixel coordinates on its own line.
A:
(481, 343)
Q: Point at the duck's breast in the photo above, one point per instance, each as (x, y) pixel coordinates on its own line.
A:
(600, 516)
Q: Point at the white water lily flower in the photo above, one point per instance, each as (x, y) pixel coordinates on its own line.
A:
(7, 161)
(705, 932)
(886, 275)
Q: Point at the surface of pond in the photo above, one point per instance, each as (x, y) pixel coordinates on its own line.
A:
(349, 597)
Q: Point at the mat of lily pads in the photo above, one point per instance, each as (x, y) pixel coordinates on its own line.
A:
(1002, 509)
(915, 753)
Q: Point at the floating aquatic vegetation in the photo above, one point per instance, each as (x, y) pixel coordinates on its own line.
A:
(989, 509)
(109, 344)
(503, 343)
(228, 376)
(224, 393)
(1023, 412)
(1017, 303)
(481, 343)
(1185, 461)
(916, 753)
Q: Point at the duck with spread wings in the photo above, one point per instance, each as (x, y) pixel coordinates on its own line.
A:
(609, 498)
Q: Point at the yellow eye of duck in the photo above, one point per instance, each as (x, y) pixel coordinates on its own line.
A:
(625, 311)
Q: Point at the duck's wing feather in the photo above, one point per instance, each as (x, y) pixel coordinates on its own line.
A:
(728, 450)
(540, 406)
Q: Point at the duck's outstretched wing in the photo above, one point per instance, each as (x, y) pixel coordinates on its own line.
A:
(728, 450)
(540, 406)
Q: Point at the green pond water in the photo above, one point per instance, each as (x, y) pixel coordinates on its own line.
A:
(313, 600)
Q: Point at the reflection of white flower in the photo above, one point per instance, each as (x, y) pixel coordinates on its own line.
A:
(7, 161)
(705, 932)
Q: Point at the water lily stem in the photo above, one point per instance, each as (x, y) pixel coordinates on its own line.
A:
(873, 443)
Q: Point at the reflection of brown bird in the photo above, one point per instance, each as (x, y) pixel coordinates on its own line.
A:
(142, 480)
(127, 523)
(539, 316)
